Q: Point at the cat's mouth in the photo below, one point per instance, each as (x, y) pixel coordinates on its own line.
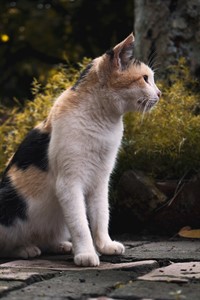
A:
(146, 104)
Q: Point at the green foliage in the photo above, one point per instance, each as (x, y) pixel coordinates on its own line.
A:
(166, 143)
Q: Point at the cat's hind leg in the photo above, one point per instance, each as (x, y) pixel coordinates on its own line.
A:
(26, 252)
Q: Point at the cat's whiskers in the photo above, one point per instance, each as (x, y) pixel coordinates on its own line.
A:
(145, 109)
(140, 102)
(152, 58)
(150, 103)
(156, 67)
(153, 62)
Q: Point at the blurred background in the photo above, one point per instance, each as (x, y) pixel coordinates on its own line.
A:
(37, 35)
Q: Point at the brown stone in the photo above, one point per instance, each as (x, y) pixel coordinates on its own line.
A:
(183, 209)
(139, 194)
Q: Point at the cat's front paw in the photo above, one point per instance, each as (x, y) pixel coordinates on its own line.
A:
(111, 248)
(87, 259)
(63, 248)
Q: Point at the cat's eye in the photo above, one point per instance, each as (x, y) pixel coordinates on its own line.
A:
(145, 78)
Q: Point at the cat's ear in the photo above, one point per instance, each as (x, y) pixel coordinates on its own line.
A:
(123, 52)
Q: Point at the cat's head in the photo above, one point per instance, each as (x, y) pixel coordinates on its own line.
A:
(130, 81)
(120, 80)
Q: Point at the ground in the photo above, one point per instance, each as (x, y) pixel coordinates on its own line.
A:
(151, 268)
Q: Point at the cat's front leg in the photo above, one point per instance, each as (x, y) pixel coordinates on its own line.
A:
(98, 211)
(72, 201)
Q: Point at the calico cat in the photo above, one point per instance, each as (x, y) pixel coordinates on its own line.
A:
(55, 188)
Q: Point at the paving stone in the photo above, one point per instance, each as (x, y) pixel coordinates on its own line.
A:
(14, 278)
(6, 285)
(2, 261)
(64, 265)
(169, 250)
(177, 272)
(147, 290)
(75, 284)
(16, 274)
(85, 281)
(101, 298)
(56, 277)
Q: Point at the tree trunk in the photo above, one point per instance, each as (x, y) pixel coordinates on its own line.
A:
(169, 29)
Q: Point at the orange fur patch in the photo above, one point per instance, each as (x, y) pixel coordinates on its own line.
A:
(30, 182)
(131, 76)
(44, 126)
(71, 98)
(67, 101)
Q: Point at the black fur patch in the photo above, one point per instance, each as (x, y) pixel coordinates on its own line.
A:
(32, 151)
(12, 204)
(136, 62)
(83, 74)
(110, 52)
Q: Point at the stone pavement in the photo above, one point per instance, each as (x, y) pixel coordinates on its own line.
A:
(152, 268)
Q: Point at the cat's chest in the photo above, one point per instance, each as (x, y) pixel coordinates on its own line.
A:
(86, 136)
(87, 150)
(99, 146)
(96, 156)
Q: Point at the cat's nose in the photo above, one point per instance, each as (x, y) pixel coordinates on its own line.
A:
(159, 93)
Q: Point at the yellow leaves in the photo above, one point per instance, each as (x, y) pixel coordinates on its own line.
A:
(187, 232)
(119, 285)
(4, 38)
(36, 86)
(166, 142)
(19, 123)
